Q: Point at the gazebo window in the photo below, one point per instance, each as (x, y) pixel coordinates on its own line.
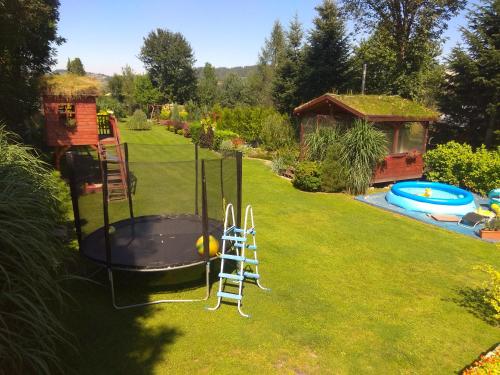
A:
(388, 130)
(411, 137)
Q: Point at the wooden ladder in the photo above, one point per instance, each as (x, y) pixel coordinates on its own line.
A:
(111, 153)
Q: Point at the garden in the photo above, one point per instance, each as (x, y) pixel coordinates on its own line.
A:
(376, 198)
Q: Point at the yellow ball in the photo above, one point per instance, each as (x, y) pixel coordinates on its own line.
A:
(213, 246)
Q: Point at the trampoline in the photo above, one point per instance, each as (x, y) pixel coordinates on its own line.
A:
(141, 208)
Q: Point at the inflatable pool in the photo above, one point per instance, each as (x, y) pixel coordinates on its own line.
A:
(431, 197)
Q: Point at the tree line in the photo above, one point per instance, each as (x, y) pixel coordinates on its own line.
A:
(401, 50)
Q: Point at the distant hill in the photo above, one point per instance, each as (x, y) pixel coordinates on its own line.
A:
(222, 73)
(99, 76)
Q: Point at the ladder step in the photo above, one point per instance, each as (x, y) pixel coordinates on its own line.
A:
(229, 295)
(231, 276)
(234, 238)
(252, 247)
(252, 261)
(232, 257)
(241, 245)
(251, 275)
(249, 231)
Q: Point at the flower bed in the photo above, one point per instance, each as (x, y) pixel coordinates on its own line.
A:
(488, 363)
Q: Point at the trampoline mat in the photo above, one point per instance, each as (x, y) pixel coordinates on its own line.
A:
(151, 242)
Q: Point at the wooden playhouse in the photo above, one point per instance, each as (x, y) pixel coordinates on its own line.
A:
(404, 122)
(71, 120)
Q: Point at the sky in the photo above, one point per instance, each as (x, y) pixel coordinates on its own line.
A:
(108, 34)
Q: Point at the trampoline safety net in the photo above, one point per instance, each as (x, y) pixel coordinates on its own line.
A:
(142, 207)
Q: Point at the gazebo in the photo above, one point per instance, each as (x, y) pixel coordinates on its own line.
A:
(404, 122)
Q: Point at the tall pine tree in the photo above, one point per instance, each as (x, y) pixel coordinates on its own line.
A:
(270, 57)
(471, 96)
(326, 60)
(286, 94)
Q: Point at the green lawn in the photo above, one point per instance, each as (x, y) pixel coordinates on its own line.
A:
(354, 290)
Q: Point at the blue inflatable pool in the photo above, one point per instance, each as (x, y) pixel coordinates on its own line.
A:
(431, 197)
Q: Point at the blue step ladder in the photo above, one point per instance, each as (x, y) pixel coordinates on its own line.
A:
(241, 239)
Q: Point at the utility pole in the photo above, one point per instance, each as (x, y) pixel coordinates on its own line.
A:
(363, 80)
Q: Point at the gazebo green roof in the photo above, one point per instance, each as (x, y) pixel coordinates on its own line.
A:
(373, 107)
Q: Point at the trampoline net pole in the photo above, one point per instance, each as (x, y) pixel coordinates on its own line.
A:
(204, 212)
(239, 179)
(74, 196)
(196, 179)
(129, 193)
(105, 202)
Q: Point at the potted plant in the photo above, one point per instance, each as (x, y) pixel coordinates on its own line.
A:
(491, 230)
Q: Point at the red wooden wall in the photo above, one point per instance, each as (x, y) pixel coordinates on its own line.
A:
(402, 166)
(58, 134)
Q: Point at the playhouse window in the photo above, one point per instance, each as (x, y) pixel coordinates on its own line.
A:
(411, 137)
(67, 114)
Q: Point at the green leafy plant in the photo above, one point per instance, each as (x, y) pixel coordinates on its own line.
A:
(458, 164)
(362, 147)
(491, 288)
(246, 121)
(180, 131)
(277, 132)
(493, 224)
(226, 147)
(183, 114)
(175, 116)
(307, 176)
(195, 130)
(222, 135)
(285, 159)
(138, 121)
(34, 202)
(333, 174)
(165, 113)
(317, 142)
(108, 103)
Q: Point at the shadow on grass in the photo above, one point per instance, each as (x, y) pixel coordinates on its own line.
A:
(472, 299)
(123, 341)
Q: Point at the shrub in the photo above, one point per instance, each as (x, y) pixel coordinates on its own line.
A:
(35, 201)
(245, 120)
(108, 103)
(317, 142)
(458, 164)
(180, 131)
(285, 158)
(492, 288)
(276, 132)
(175, 113)
(307, 176)
(165, 113)
(362, 147)
(333, 175)
(183, 115)
(195, 130)
(226, 146)
(207, 137)
(259, 153)
(493, 224)
(138, 121)
(222, 135)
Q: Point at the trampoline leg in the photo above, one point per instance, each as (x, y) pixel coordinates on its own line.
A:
(113, 296)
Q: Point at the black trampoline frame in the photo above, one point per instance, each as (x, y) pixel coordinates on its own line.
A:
(74, 190)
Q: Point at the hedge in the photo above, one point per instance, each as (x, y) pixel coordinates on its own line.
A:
(458, 164)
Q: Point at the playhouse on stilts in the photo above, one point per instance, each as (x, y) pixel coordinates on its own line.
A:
(71, 120)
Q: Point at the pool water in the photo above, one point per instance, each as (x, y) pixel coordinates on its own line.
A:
(435, 193)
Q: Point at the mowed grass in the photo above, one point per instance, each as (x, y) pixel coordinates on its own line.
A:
(354, 290)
